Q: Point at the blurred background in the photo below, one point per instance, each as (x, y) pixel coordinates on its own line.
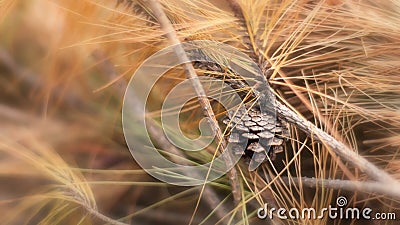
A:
(64, 67)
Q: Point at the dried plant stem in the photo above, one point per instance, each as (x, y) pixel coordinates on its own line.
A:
(190, 72)
(102, 217)
(336, 146)
(349, 185)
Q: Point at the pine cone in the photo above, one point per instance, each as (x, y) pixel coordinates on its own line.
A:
(264, 133)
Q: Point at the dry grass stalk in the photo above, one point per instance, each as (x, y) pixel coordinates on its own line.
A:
(170, 32)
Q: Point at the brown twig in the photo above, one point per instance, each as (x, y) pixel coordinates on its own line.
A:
(101, 216)
(349, 185)
(190, 72)
(336, 146)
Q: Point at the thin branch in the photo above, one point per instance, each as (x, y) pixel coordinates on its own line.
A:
(336, 146)
(102, 217)
(349, 185)
(190, 72)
